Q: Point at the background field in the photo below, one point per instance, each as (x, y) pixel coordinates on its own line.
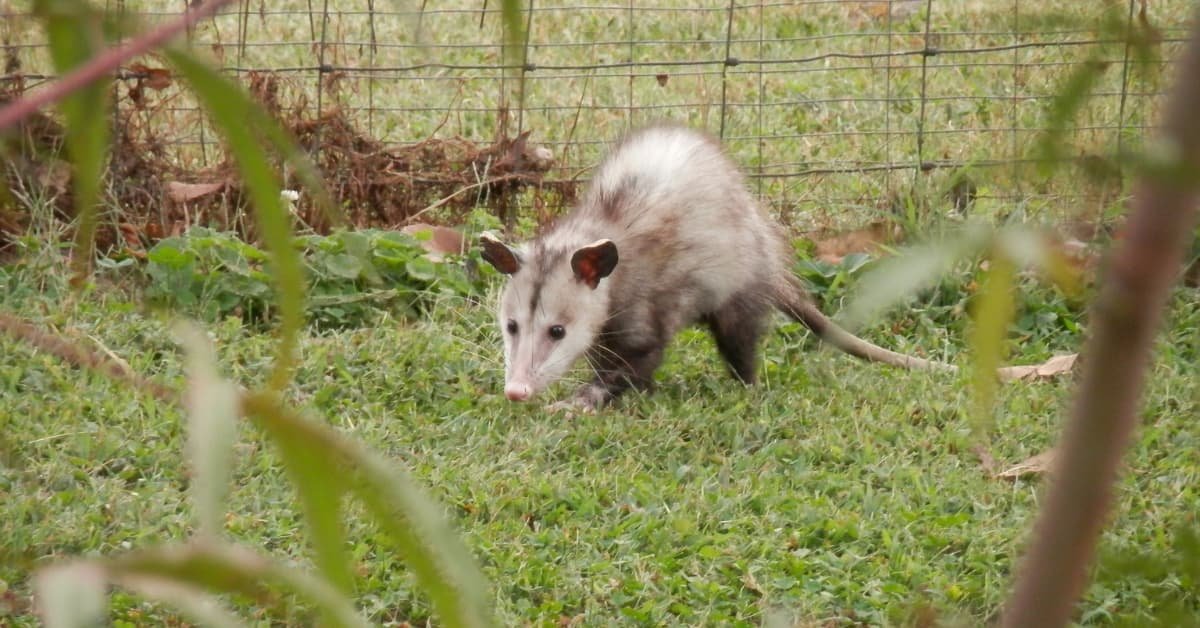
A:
(837, 493)
(833, 106)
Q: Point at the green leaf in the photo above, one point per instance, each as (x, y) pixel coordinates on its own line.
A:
(1030, 249)
(230, 108)
(899, 278)
(514, 31)
(320, 485)
(1051, 146)
(192, 602)
(73, 32)
(854, 262)
(421, 268)
(344, 265)
(993, 314)
(212, 407)
(443, 566)
(222, 568)
(167, 254)
(358, 244)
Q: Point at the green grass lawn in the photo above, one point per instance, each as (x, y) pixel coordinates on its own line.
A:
(842, 493)
(836, 492)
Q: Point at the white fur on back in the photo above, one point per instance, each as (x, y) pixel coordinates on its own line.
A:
(658, 157)
(680, 188)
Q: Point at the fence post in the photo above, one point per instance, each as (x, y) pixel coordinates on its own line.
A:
(1015, 98)
(1124, 87)
(730, 61)
(371, 76)
(762, 94)
(525, 68)
(926, 52)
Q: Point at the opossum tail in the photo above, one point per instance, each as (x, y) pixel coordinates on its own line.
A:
(793, 300)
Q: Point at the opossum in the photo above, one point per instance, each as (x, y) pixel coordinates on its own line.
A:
(667, 235)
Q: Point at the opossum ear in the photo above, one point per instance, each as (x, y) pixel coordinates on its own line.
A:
(499, 255)
(594, 262)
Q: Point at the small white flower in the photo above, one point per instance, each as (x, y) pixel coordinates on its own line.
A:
(290, 195)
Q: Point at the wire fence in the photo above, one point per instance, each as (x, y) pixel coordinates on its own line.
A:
(836, 109)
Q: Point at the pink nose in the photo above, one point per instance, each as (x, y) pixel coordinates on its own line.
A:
(517, 392)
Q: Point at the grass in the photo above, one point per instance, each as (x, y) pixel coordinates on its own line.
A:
(842, 493)
(836, 492)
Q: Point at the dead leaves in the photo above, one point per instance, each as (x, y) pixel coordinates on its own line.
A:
(439, 242)
(832, 247)
(1035, 465)
(184, 192)
(1043, 462)
(1051, 368)
(146, 77)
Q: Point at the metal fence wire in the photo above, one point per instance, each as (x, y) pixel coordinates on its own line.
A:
(836, 109)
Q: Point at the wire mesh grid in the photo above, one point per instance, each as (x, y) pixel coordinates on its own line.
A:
(834, 108)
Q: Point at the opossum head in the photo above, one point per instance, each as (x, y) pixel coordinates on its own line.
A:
(552, 308)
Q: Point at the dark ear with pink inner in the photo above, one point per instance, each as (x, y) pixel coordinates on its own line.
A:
(499, 255)
(594, 262)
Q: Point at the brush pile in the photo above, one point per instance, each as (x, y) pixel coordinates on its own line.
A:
(163, 178)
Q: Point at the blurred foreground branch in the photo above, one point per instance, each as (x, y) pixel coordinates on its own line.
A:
(1125, 317)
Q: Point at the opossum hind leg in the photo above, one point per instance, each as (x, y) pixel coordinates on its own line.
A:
(737, 328)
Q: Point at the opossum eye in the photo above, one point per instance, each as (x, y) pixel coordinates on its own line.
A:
(511, 327)
(557, 332)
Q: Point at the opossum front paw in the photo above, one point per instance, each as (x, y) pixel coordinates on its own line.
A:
(570, 408)
(587, 400)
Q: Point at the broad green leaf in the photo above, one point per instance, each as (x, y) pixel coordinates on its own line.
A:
(230, 108)
(193, 603)
(223, 568)
(993, 314)
(358, 244)
(71, 595)
(167, 254)
(899, 278)
(74, 34)
(853, 262)
(344, 265)
(212, 407)
(421, 269)
(444, 567)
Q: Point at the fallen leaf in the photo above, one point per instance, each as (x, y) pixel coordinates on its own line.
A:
(154, 78)
(184, 192)
(443, 241)
(1056, 365)
(131, 235)
(1035, 465)
(751, 583)
(831, 248)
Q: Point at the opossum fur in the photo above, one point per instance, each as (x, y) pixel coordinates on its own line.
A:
(666, 235)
